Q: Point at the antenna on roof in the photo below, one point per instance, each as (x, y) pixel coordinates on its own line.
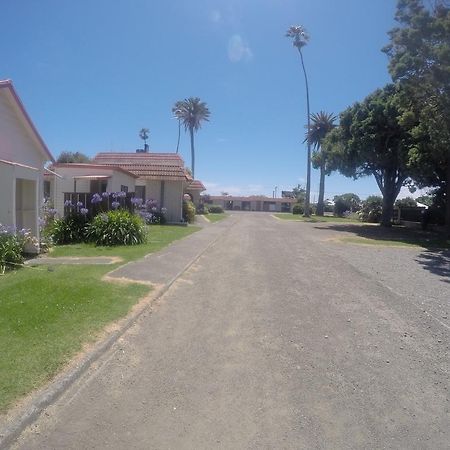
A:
(143, 134)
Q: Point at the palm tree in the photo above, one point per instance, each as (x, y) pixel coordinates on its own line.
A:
(191, 112)
(176, 110)
(299, 39)
(322, 124)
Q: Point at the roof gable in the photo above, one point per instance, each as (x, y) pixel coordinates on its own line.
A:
(14, 100)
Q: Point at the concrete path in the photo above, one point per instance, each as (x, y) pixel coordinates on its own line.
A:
(276, 338)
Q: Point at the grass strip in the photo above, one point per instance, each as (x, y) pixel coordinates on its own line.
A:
(47, 314)
(315, 219)
(216, 217)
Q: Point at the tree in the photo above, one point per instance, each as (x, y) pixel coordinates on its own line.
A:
(176, 111)
(346, 202)
(321, 124)
(407, 202)
(371, 141)
(419, 53)
(191, 112)
(426, 200)
(299, 193)
(73, 157)
(143, 134)
(299, 39)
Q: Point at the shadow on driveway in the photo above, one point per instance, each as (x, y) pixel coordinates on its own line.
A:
(433, 258)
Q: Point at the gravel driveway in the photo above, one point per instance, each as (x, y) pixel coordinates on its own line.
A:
(278, 337)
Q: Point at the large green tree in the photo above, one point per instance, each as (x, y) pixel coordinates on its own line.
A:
(321, 124)
(191, 112)
(371, 140)
(419, 60)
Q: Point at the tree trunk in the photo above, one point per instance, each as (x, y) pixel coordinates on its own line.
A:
(388, 208)
(191, 130)
(447, 201)
(320, 205)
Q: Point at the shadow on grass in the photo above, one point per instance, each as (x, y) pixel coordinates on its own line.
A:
(435, 256)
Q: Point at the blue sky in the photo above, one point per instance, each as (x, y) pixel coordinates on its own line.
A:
(92, 73)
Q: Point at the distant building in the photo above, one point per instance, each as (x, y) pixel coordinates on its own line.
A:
(253, 203)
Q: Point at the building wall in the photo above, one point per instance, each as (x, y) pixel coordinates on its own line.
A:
(17, 144)
(7, 193)
(173, 200)
(66, 184)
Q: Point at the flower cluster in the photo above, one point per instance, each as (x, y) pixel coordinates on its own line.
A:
(96, 198)
(137, 202)
(120, 194)
(115, 205)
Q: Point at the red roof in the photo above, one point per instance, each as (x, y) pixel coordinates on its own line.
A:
(7, 84)
(149, 166)
(253, 198)
(93, 166)
(197, 185)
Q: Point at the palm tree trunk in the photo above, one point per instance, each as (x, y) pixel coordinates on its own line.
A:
(179, 132)
(191, 131)
(320, 205)
(307, 212)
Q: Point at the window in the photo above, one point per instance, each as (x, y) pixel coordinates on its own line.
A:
(140, 192)
(123, 188)
(46, 189)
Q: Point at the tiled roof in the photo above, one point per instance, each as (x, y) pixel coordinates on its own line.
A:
(197, 185)
(149, 166)
(93, 166)
(253, 198)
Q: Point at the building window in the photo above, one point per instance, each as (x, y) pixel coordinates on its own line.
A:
(46, 189)
(140, 192)
(123, 188)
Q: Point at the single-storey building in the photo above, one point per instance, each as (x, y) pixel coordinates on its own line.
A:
(194, 189)
(23, 155)
(160, 176)
(253, 203)
(76, 182)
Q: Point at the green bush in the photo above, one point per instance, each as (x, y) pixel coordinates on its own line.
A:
(371, 209)
(11, 248)
(118, 227)
(215, 209)
(188, 211)
(69, 229)
(298, 209)
(203, 209)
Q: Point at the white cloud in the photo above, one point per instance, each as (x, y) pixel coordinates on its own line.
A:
(215, 16)
(238, 49)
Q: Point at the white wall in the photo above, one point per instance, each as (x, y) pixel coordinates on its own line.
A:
(17, 145)
(7, 194)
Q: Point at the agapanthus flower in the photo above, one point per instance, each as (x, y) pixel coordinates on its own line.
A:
(68, 203)
(105, 194)
(115, 205)
(96, 198)
(79, 205)
(84, 211)
(136, 201)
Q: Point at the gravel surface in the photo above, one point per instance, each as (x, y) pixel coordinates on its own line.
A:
(278, 337)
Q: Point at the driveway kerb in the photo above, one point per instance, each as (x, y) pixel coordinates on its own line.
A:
(51, 393)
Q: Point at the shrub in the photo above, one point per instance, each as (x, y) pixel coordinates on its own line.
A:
(298, 209)
(11, 248)
(188, 211)
(117, 228)
(340, 207)
(371, 209)
(215, 209)
(203, 209)
(70, 229)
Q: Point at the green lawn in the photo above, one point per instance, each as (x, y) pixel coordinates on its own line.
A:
(215, 217)
(158, 237)
(315, 219)
(398, 242)
(48, 313)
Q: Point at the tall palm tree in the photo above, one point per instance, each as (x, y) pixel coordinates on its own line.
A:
(322, 124)
(176, 109)
(191, 112)
(299, 39)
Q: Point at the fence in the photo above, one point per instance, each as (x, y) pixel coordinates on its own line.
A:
(84, 198)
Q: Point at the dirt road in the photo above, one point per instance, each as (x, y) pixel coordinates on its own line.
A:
(278, 337)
